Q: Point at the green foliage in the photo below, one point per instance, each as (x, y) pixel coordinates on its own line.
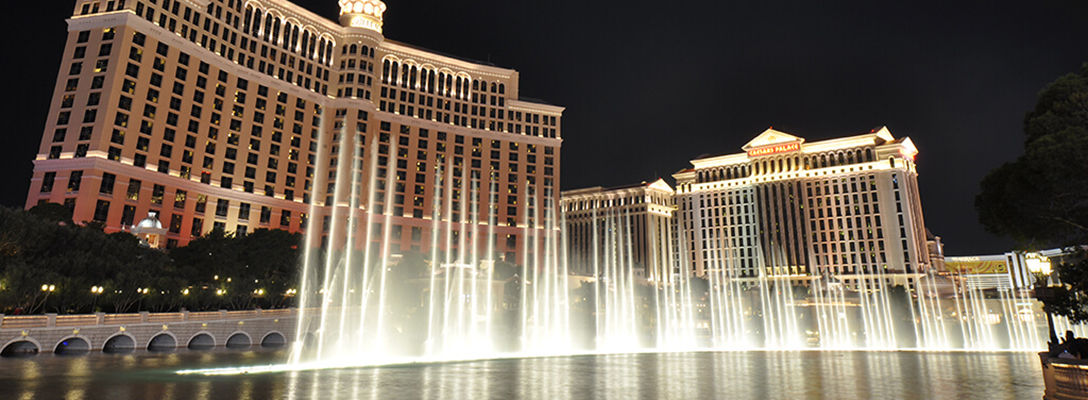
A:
(36, 251)
(1041, 199)
(1071, 300)
(52, 212)
(68, 260)
(227, 271)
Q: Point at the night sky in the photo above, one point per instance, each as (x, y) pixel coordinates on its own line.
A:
(649, 86)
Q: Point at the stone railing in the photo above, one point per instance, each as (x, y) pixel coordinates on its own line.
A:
(103, 319)
(1066, 379)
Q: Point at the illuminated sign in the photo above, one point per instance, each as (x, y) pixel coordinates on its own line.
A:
(782, 148)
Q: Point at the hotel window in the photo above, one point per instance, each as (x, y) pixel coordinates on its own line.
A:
(198, 227)
(133, 192)
(243, 211)
(222, 206)
(75, 180)
(47, 182)
(128, 215)
(59, 134)
(101, 211)
(157, 192)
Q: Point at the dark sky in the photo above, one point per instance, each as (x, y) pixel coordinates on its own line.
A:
(649, 85)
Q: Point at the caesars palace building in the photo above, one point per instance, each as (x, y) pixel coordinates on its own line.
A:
(232, 114)
(845, 207)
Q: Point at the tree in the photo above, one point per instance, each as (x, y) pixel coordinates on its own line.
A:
(53, 212)
(1041, 199)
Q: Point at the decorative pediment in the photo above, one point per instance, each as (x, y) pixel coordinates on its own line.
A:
(771, 137)
(660, 184)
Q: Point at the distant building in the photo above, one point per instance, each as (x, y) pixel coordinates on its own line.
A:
(1014, 269)
(629, 226)
(239, 115)
(845, 207)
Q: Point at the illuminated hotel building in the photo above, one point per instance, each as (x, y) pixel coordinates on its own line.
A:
(785, 207)
(230, 114)
(629, 225)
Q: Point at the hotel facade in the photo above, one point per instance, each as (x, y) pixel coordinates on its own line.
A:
(628, 225)
(846, 207)
(241, 115)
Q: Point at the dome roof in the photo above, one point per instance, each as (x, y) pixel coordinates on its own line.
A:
(150, 225)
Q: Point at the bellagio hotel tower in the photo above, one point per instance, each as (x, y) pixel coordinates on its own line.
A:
(233, 114)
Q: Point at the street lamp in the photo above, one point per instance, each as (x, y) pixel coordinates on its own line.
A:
(1040, 268)
(96, 290)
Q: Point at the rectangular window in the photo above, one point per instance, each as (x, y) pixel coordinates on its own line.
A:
(108, 181)
(243, 211)
(128, 215)
(101, 211)
(198, 227)
(175, 223)
(222, 206)
(157, 192)
(133, 192)
(47, 182)
(75, 180)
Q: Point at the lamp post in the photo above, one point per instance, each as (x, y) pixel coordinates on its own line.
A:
(95, 290)
(48, 289)
(1040, 268)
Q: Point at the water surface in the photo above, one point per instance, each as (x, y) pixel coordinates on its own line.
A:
(706, 375)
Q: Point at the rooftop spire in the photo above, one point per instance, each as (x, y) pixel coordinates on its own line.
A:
(365, 14)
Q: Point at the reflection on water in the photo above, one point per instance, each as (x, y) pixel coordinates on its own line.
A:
(778, 375)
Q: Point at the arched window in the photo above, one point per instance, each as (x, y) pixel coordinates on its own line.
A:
(267, 33)
(328, 54)
(394, 73)
(321, 51)
(841, 160)
(502, 88)
(248, 19)
(276, 25)
(868, 155)
(256, 23)
(404, 74)
(891, 161)
(385, 71)
(494, 87)
(313, 47)
(430, 82)
(457, 89)
(475, 85)
(412, 83)
(365, 51)
(353, 49)
(286, 42)
(305, 42)
(850, 158)
(294, 39)
(823, 160)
